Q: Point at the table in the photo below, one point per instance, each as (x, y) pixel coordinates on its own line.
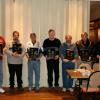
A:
(75, 73)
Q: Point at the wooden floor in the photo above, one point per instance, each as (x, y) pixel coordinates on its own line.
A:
(43, 94)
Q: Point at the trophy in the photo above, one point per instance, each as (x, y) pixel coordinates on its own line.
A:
(33, 53)
(17, 48)
(51, 52)
(1, 49)
(69, 54)
(84, 54)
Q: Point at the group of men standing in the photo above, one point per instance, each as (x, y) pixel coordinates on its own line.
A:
(52, 49)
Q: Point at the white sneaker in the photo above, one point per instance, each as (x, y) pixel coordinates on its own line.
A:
(2, 90)
(30, 88)
(37, 89)
(64, 90)
(71, 89)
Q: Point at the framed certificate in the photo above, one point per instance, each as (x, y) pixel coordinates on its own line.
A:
(51, 52)
(69, 54)
(1, 48)
(84, 54)
(17, 48)
(33, 53)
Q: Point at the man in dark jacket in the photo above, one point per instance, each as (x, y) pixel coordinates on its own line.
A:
(85, 49)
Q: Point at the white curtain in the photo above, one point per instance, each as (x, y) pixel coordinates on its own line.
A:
(77, 17)
(26, 16)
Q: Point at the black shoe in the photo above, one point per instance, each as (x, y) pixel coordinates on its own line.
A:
(11, 90)
(50, 87)
(57, 87)
(20, 88)
(11, 87)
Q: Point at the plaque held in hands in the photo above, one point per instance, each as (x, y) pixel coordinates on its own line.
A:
(17, 48)
(1, 49)
(84, 54)
(51, 52)
(33, 53)
(69, 54)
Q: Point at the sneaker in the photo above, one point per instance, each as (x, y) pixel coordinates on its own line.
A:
(30, 88)
(2, 90)
(64, 90)
(71, 89)
(37, 89)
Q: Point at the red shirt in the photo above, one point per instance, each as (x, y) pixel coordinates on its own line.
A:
(2, 41)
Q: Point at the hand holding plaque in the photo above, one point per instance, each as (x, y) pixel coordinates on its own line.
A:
(52, 52)
(84, 54)
(69, 54)
(17, 48)
(33, 53)
(1, 49)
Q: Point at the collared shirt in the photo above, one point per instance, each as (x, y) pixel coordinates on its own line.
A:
(31, 45)
(35, 45)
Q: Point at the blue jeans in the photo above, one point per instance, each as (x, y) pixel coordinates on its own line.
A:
(67, 81)
(1, 73)
(34, 66)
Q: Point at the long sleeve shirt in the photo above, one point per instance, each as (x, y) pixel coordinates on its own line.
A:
(2, 45)
(51, 43)
(12, 59)
(85, 50)
(97, 50)
(35, 45)
(63, 50)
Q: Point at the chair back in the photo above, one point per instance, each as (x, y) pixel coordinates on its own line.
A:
(94, 80)
(96, 67)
